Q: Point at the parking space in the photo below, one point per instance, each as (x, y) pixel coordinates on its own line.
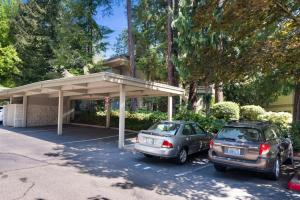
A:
(85, 163)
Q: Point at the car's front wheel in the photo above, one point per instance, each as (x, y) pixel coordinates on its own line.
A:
(182, 156)
(220, 168)
(275, 174)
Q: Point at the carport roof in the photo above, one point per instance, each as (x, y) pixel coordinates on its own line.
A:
(93, 86)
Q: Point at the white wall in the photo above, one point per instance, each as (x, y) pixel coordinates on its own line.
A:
(43, 111)
(13, 115)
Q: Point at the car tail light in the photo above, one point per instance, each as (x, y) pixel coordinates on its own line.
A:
(167, 144)
(264, 149)
(211, 144)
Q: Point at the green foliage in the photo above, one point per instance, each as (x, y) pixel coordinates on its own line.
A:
(78, 36)
(121, 45)
(294, 133)
(188, 115)
(251, 112)
(279, 118)
(134, 121)
(262, 89)
(226, 110)
(33, 30)
(9, 58)
(149, 21)
(9, 61)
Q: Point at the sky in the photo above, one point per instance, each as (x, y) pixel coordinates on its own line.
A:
(117, 22)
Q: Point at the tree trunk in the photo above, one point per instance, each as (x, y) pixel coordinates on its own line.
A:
(296, 106)
(133, 104)
(171, 68)
(218, 93)
(130, 40)
(90, 27)
(192, 95)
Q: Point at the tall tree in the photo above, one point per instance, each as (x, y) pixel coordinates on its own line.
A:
(33, 32)
(170, 52)
(151, 38)
(130, 40)
(79, 37)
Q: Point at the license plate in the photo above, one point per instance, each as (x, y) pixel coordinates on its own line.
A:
(233, 151)
(149, 140)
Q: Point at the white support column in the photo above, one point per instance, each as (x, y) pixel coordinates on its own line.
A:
(108, 109)
(60, 112)
(10, 100)
(170, 107)
(24, 122)
(68, 111)
(72, 116)
(122, 116)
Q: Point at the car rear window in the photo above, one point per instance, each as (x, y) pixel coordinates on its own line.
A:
(239, 134)
(165, 128)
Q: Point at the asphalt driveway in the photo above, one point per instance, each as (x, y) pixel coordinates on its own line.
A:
(85, 163)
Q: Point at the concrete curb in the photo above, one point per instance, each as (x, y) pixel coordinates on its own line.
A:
(294, 183)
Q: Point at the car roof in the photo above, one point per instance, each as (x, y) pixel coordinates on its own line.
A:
(249, 124)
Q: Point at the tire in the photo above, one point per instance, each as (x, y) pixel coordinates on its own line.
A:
(290, 160)
(182, 156)
(276, 171)
(220, 168)
(148, 156)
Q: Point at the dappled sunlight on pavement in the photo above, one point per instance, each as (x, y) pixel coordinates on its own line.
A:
(95, 168)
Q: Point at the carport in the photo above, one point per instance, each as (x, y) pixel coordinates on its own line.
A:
(48, 102)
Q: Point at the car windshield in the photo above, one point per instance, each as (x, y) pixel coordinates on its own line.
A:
(239, 134)
(165, 128)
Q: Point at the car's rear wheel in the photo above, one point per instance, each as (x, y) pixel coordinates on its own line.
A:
(276, 171)
(220, 168)
(182, 156)
(290, 159)
(148, 156)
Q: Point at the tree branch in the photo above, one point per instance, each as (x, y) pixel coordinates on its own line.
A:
(288, 12)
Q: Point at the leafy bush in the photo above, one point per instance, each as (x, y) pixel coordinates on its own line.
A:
(295, 135)
(251, 112)
(279, 118)
(226, 110)
(135, 121)
(188, 115)
(208, 123)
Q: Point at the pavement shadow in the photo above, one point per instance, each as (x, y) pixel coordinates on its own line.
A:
(195, 180)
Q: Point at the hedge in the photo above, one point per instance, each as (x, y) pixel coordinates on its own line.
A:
(134, 121)
(214, 121)
(226, 110)
(251, 112)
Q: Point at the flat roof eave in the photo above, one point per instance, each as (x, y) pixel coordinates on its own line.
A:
(98, 83)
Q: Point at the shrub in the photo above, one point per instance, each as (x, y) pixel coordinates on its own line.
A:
(251, 112)
(279, 118)
(188, 115)
(295, 135)
(208, 123)
(226, 110)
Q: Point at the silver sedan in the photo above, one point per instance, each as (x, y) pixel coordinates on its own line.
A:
(173, 139)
